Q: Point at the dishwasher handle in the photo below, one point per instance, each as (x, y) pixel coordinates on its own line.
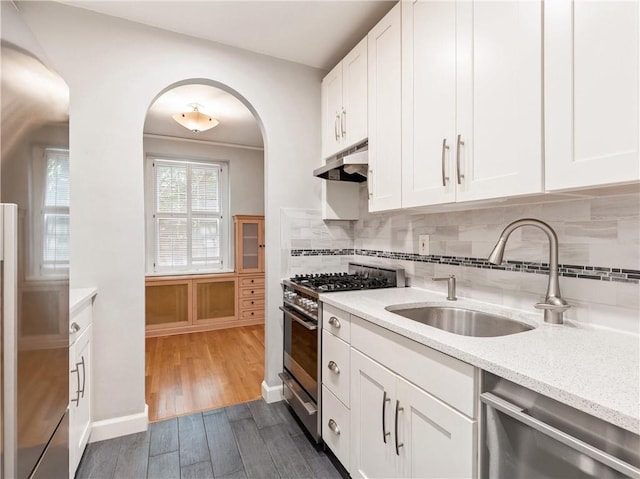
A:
(519, 414)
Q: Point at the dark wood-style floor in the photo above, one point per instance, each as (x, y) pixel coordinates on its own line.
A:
(251, 440)
(194, 372)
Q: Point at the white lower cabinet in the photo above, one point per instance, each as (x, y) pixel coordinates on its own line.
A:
(399, 430)
(411, 411)
(79, 387)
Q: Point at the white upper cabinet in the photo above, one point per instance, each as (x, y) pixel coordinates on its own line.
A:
(499, 99)
(384, 66)
(344, 102)
(428, 102)
(472, 100)
(591, 93)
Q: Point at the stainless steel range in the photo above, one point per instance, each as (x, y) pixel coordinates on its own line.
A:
(302, 341)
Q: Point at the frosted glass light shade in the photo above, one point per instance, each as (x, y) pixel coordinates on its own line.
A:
(195, 120)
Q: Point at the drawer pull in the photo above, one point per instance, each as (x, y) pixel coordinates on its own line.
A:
(252, 302)
(251, 291)
(334, 427)
(74, 328)
(333, 321)
(333, 367)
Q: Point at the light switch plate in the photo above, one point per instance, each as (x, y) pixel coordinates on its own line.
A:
(423, 245)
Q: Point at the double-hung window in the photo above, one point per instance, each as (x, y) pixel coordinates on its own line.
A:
(50, 212)
(188, 221)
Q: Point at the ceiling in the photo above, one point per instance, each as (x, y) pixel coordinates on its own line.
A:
(316, 33)
(237, 124)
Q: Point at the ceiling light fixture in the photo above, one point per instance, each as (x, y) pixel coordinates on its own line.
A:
(195, 120)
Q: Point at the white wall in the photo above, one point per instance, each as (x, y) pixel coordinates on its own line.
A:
(114, 70)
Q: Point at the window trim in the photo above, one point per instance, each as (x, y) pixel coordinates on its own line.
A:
(150, 210)
(37, 178)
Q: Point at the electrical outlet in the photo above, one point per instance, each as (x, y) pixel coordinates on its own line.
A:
(423, 245)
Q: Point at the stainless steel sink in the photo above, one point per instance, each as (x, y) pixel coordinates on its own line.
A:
(466, 322)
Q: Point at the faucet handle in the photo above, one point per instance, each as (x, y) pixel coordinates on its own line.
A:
(451, 286)
(552, 307)
(553, 313)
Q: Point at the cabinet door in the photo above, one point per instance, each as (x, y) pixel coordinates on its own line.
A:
(80, 397)
(250, 245)
(499, 102)
(215, 300)
(354, 95)
(372, 399)
(384, 67)
(437, 441)
(428, 102)
(591, 93)
(331, 97)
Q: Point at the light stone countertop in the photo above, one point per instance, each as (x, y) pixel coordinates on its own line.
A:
(595, 370)
(79, 297)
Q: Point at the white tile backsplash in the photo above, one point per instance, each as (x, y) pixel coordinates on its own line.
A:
(603, 232)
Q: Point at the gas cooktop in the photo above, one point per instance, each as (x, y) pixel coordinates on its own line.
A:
(360, 276)
(326, 282)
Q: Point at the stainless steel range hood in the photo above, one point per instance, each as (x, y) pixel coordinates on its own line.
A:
(351, 167)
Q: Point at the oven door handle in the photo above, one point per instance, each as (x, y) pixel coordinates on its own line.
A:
(309, 325)
(519, 414)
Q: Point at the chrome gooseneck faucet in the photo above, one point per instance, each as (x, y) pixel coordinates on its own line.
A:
(554, 305)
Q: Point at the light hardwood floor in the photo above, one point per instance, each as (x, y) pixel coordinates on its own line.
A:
(188, 373)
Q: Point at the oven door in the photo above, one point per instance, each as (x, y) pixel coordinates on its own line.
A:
(301, 350)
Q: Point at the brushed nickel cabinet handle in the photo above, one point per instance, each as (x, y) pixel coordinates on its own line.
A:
(398, 444)
(333, 367)
(343, 123)
(77, 371)
(333, 321)
(458, 172)
(74, 328)
(445, 147)
(334, 427)
(84, 375)
(385, 400)
(335, 127)
(370, 183)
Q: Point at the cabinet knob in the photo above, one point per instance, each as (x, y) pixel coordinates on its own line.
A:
(251, 313)
(252, 302)
(333, 321)
(74, 328)
(333, 367)
(252, 281)
(334, 427)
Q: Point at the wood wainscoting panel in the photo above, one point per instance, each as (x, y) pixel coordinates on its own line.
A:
(188, 373)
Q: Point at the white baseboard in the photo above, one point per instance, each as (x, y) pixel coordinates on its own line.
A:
(271, 393)
(119, 426)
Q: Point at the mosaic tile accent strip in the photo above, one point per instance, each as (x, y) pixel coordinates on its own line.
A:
(599, 273)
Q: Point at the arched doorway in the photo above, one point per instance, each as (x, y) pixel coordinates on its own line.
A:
(204, 337)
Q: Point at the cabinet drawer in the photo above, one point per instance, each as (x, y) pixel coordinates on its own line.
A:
(336, 321)
(252, 303)
(252, 314)
(336, 431)
(336, 366)
(257, 292)
(450, 380)
(255, 281)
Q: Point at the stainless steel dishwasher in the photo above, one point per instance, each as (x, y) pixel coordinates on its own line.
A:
(530, 436)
